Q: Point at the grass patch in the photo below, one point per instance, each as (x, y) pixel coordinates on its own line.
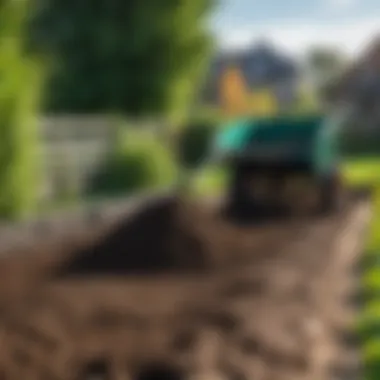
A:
(211, 180)
(362, 171)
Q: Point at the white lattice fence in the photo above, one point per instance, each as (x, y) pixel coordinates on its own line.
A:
(72, 148)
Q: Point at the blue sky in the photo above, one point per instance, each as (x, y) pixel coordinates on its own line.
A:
(297, 24)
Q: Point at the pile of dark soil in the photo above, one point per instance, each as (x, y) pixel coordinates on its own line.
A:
(172, 235)
(151, 241)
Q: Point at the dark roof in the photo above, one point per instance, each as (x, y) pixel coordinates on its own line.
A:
(260, 65)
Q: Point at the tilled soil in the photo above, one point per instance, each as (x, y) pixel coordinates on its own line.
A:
(175, 291)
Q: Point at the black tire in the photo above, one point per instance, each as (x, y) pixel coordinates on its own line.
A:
(331, 195)
(238, 199)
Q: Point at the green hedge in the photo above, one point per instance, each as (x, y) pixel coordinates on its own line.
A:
(139, 162)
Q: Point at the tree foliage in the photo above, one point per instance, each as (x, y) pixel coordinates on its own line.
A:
(326, 60)
(19, 85)
(325, 65)
(137, 57)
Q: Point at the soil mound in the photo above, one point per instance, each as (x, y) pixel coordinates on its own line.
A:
(154, 240)
(176, 236)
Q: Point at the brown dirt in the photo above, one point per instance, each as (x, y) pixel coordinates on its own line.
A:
(173, 291)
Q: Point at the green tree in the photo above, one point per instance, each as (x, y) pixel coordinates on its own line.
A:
(325, 65)
(19, 84)
(136, 57)
(326, 61)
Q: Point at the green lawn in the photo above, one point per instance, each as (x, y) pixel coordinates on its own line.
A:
(363, 171)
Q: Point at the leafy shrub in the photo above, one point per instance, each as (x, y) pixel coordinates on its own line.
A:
(21, 79)
(194, 142)
(139, 162)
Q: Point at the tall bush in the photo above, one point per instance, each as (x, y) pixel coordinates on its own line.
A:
(139, 162)
(19, 89)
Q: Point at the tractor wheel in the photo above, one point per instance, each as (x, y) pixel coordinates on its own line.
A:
(331, 195)
(238, 197)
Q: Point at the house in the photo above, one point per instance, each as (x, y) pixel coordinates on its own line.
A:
(262, 66)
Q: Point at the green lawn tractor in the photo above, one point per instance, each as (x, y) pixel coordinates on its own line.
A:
(282, 165)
